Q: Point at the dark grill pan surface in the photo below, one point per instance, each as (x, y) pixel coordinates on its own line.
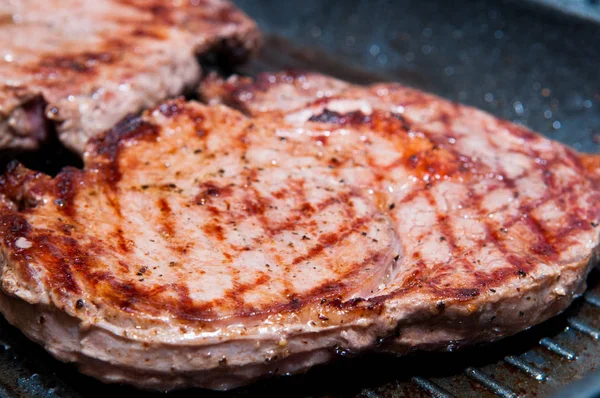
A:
(519, 60)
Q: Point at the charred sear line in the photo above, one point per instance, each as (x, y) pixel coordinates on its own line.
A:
(214, 229)
(135, 298)
(159, 12)
(84, 62)
(301, 215)
(108, 145)
(66, 187)
(542, 245)
(122, 241)
(448, 234)
(402, 120)
(235, 295)
(149, 33)
(329, 239)
(63, 260)
(352, 118)
(166, 215)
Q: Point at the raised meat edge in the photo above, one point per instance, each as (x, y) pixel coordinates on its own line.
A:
(71, 339)
(30, 112)
(404, 320)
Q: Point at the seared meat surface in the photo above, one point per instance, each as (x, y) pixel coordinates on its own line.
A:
(84, 65)
(201, 246)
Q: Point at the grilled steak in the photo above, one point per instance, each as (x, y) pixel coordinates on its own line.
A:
(203, 247)
(84, 65)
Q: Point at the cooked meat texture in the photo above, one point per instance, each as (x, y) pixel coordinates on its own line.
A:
(203, 247)
(85, 64)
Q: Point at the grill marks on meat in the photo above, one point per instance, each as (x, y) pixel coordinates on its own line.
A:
(325, 215)
(194, 240)
(90, 63)
(465, 168)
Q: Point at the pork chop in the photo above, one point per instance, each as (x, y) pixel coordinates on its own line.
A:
(203, 247)
(83, 65)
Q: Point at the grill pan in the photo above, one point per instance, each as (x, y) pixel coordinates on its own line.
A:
(516, 59)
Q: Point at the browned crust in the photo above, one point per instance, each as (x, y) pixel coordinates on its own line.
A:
(54, 248)
(534, 283)
(431, 154)
(71, 256)
(198, 28)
